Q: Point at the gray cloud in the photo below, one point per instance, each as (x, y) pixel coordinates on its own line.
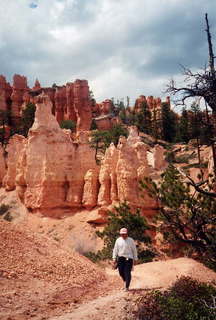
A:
(122, 48)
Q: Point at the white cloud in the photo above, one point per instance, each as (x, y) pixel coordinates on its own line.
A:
(122, 47)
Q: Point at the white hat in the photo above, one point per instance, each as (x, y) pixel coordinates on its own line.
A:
(123, 231)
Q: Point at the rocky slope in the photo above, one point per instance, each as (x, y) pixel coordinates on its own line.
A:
(39, 276)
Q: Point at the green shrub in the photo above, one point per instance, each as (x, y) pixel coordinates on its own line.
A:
(94, 257)
(101, 139)
(170, 156)
(187, 299)
(8, 217)
(68, 124)
(136, 225)
(3, 209)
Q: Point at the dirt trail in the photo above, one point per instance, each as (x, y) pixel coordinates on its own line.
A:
(109, 307)
(154, 275)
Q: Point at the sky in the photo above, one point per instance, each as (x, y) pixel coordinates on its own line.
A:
(122, 47)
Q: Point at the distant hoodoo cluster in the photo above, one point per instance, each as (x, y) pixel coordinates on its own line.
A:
(71, 101)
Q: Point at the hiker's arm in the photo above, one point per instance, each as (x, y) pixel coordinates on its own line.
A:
(134, 249)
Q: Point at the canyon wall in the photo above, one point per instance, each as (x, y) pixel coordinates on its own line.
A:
(69, 102)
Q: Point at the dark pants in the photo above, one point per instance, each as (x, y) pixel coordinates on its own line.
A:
(124, 268)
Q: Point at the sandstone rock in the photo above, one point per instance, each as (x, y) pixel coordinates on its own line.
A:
(126, 169)
(5, 93)
(91, 187)
(107, 177)
(55, 167)
(98, 216)
(70, 112)
(103, 115)
(159, 158)
(122, 169)
(14, 148)
(19, 89)
(60, 104)
(3, 104)
(71, 101)
(82, 105)
(37, 85)
(139, 103)
(103, 122)
(2, 164)
(105, 107)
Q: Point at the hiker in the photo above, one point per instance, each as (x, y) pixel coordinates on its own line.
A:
(124, 254)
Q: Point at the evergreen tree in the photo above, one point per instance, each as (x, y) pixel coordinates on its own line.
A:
(27, 120)
(122, 116)
(101, 140)
(183, 134)
(196, 121)
(187, 217)
(168, 123)
(68, 124)
(155, 125)
(4, 134)
(143, 119)
(135, 223)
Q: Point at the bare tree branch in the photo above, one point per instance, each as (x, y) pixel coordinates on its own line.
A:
(197, 186)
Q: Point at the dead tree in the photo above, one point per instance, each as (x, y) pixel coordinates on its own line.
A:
(200, 85)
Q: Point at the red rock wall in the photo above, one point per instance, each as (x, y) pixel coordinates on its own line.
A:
(70, 101)
(153, 104)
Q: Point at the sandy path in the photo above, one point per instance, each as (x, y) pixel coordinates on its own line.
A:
(154, 275)
(109, 307)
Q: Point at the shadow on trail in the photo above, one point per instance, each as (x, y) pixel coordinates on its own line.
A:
(139, 290)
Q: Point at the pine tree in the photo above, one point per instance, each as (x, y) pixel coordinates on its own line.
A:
(27, 120)
(101, 140)
(143, 119)
(68, 124)
(187, 217)
(135, 223)
(168, 123)
(184, 127)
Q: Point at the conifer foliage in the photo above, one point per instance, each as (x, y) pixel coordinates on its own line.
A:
(137, 226)
(188, 217)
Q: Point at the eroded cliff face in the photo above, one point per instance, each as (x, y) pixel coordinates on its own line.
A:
(54, 172)
(51, 169)
(69, 102)
(122, 169)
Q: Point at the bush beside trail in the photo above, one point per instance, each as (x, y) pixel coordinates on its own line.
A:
(186, 299)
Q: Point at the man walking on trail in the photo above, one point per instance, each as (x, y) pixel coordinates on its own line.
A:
(124, 254)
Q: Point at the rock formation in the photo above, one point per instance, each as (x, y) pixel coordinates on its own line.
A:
(70, 101)
(53, 173)
(103, 115)
(19, 88)
(122, 169)
(154, 105)
(14, 149)
(82, 105)
(2, 165)
(52, 169)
